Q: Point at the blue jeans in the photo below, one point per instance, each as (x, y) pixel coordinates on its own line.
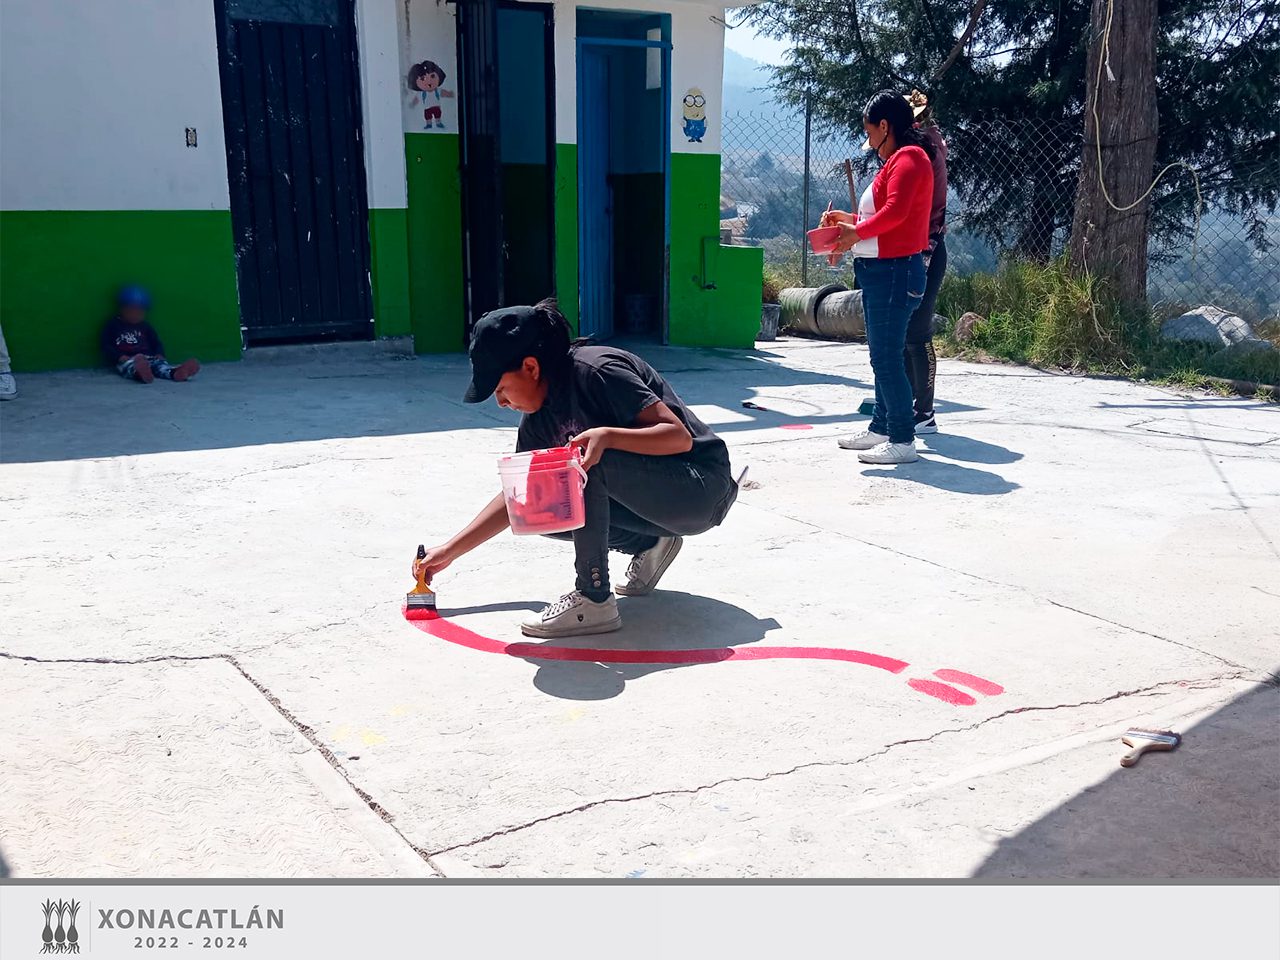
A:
(891, 291)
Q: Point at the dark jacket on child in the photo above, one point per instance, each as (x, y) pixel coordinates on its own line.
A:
(120, 339)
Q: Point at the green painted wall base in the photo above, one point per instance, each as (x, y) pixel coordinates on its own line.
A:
(715, 290)
(567, 231)
(60, 270)
(389, 253)
(435, 242)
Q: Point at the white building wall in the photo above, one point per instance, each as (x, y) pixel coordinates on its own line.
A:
(380, 86)
(428, 32)
(697, 60)
(95, 97)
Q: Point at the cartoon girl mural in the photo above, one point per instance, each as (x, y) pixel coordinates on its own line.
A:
(426, 79)
(695, 115)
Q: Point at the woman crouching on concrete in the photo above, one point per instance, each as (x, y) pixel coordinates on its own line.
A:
(655, 472)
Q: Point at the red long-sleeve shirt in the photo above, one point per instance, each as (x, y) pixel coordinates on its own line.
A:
(893, 214)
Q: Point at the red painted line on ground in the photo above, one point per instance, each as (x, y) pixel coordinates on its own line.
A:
(445, 629)
(942, 691)
(984, 687)
(796, 426)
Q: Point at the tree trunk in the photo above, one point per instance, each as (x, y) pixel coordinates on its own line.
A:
(1108, 242)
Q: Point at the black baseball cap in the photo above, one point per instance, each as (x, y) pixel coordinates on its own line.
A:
(500, 340)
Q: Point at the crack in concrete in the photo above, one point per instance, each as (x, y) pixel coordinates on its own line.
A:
(1007, 586)
(690, 791)
(316, 629)
(1235, 495)
(332, 760)
(307, 732)
(159, 658)
(162, 657)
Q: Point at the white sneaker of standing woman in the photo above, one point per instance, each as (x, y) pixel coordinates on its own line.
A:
(573, 615)
(862, 441)
(890, 453)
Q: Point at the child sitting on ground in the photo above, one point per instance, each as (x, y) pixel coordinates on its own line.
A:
(132, 345)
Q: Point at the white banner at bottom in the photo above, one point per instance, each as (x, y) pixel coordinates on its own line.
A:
(654, 921)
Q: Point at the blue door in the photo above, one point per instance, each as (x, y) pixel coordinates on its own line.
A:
(595, 196)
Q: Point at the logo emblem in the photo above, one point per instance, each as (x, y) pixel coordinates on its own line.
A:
(62, 938)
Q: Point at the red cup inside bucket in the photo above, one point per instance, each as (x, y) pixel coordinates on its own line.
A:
(543, 490)
(823, 239)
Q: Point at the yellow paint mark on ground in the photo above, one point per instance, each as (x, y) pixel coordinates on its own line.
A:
(400, 710)
(371, 739)
(340, 734)
(576, 713)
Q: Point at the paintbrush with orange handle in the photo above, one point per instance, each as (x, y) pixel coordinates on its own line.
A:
(420, 602)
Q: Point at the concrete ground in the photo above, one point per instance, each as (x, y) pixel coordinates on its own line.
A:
(204, 670)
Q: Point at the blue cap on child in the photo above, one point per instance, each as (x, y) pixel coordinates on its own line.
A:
(134, 296)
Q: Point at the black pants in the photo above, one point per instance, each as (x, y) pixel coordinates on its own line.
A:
(921, 361)
(632, 500)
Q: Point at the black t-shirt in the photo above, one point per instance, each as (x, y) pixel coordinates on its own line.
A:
(608, 387)
(121, 339)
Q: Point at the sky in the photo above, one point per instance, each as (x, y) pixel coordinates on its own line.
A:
(744, 40)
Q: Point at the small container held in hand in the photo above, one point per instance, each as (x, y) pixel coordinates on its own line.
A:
(823, 239)
(543, 490)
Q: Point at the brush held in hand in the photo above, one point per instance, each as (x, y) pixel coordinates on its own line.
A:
(1141, 741)
(420, 602)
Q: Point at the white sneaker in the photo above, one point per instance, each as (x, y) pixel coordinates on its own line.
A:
(8, 386)
(862, 441)
(890, 453)
(647, 568)
(928, 424)
(573, 615)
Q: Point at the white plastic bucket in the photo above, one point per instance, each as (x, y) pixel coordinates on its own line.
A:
(543, 490)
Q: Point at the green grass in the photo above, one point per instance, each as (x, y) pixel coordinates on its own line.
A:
(1049, 315)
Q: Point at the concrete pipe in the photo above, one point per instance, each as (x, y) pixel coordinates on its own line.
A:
(800, 306)
(840, 316)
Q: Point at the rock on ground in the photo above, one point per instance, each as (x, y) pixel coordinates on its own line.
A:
(1209, 324)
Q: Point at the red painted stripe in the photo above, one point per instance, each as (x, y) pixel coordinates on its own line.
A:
(797, 426)
(984, 687)
(444, 629)
(942, 691)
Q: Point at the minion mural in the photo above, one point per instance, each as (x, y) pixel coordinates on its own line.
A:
(695, 115)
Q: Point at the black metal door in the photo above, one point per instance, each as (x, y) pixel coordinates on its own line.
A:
(291, 105)
(482, 228)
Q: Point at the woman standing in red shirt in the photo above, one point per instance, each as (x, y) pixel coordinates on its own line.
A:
(887, 237)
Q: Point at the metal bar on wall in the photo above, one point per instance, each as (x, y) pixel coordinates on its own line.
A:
(804, 227)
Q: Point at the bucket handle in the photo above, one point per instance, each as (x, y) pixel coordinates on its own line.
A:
(576, 462)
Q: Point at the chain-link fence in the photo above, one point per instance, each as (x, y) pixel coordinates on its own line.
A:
(1012, 193)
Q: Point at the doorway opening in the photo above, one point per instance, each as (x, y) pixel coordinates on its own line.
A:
(507, 105)
(295, 163)
(624, 147)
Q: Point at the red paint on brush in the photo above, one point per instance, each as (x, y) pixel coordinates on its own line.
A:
(797, 426)
(984, 687)
(942, 691)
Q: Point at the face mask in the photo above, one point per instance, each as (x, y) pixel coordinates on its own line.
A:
(875, 147)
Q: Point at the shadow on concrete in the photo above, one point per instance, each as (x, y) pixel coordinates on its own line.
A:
(512, 606)
(663, 621)
(969, 450)
(4, 867)
(947, 476)
(328, 394)
(1210, 808)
